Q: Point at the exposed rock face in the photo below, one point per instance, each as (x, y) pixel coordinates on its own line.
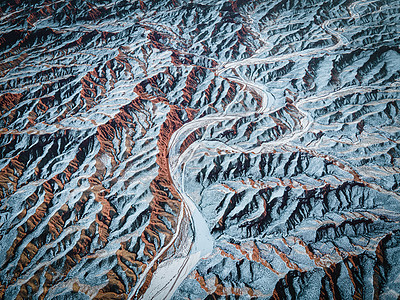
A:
(199, 149)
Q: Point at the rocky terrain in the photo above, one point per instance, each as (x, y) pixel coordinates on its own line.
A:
(186, 149)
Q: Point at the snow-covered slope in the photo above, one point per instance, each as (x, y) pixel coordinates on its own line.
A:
(199, 149)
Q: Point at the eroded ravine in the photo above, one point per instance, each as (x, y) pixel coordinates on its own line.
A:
(185, 149)
(202, 243)
(166, 279)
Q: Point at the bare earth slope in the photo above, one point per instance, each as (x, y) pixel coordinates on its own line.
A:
(199, 149)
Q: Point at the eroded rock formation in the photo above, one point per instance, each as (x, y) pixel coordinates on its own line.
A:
(199, 149)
